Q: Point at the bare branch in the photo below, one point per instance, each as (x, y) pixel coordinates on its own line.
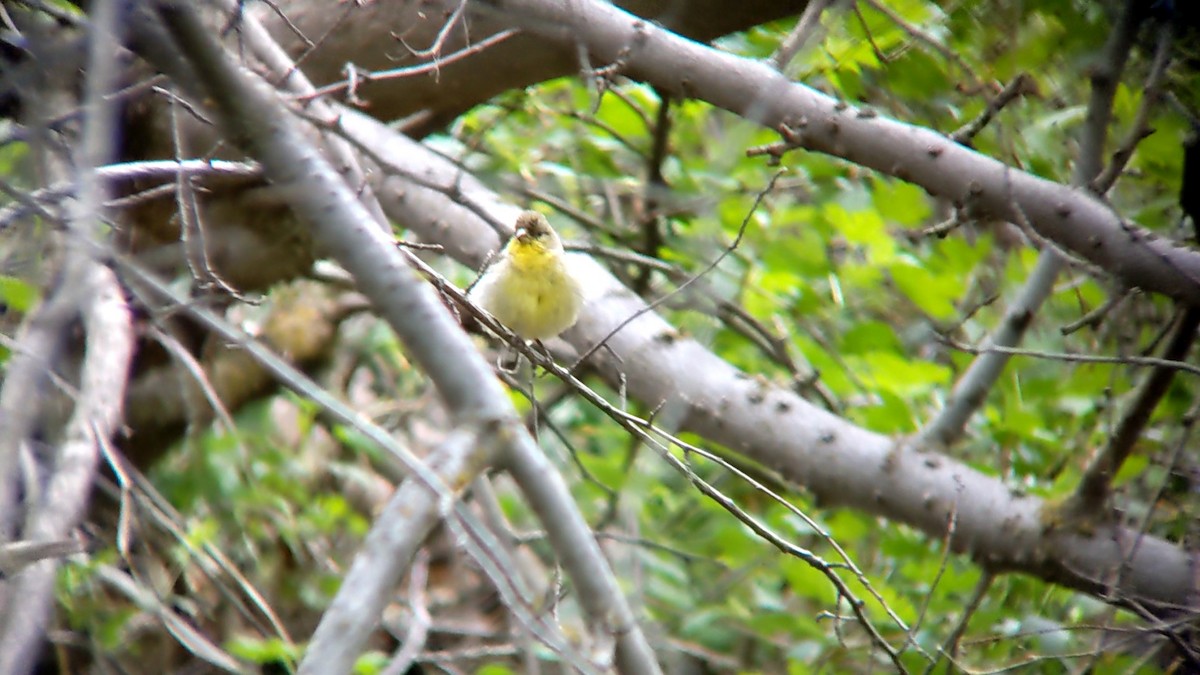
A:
(1144, 361)
(1021, 85)
(970, 392)
(351, 83)
(842, 464)
(806, 25)
(256, 118)
(1067, 216)
(1094, 486)
(90, 291)
(1139, 130)
(927, 39)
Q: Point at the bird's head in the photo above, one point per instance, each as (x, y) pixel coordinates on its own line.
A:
(534, 230)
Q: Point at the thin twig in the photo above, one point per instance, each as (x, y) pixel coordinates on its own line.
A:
(1096, 316)
(655, 187)
(439, 40)
(947, 549)
(471, 534)
(1093, 487)
(970, 392)
(419, 621)
(1140, 361)
(950, 646)
(662, 441)
(650, 306)
(1140, 129)
(363, 76)
(1020, 86)
(946, 52)
(807, 24)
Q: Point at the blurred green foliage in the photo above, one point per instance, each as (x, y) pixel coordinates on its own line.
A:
(837, 266)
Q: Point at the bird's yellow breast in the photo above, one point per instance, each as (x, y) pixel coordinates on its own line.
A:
(531, 291)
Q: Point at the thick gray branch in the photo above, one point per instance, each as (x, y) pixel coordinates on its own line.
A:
(96, 418)
(254, 116)
(840, 463)
(87, 291)
(1069, 217)
(971, 390)
(364, 34)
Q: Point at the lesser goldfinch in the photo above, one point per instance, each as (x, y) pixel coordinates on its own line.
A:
(530, 288)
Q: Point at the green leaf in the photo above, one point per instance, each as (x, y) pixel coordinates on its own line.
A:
(263, 651)
(18, 294)
(900, 202)
(934, 294)
(865, 228)
(371, 663)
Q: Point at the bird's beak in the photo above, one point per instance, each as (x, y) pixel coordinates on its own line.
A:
(522, 234)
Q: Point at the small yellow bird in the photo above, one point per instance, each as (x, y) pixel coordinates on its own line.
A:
(530, 288)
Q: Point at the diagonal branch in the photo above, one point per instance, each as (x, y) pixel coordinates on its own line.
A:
(256, 119)
(1067, 216)
(1094, 487)
(840, 463)
(89, 291)
(972, 388)
(515, 63)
